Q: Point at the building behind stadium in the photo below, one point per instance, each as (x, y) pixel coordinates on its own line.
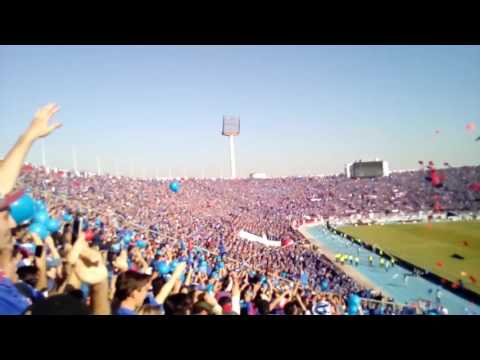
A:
(367, 169)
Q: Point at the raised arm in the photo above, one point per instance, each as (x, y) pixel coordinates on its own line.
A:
(278, 300)
(236, 294)
(12, 164)
(91, 270)
(167, 288)
(41, 263)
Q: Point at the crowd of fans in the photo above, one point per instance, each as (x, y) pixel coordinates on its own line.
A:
(132, 246)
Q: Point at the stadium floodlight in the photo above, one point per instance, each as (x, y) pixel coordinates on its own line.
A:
(231, 128)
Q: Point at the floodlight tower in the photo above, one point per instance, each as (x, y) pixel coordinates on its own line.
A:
(231, 128)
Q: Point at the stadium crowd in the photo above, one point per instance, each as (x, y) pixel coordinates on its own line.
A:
(132, 246)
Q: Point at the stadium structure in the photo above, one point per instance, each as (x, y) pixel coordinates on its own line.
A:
(367, 169)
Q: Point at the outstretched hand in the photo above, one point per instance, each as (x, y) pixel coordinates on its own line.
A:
(87, 263)
(40, 127)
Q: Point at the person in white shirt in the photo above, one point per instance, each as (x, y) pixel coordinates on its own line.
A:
(323, 307)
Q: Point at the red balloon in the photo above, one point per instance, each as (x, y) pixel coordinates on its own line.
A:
(89, 235)
(470, 127)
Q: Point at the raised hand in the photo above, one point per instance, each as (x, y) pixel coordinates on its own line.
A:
(121, 263)
(90, 267)
(40, 127)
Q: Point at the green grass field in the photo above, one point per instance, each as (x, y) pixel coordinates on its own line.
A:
(426, 245)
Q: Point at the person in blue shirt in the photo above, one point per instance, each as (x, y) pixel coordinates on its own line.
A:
(12, 302)
(130, 293)
(28, 276)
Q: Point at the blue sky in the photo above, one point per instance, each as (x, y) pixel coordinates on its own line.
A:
(304, 109)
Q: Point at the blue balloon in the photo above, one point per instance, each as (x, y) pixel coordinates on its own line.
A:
(67, 218)
(141, 244)
(214, 275)
(22, 210)
(174, 186)
(221, 265)
(116, 248)
(39, 229)
(173, 265)
(352, 310)
(41, 217)
(210, 288)
(324, 285)
(163, 268)
(53, 225)
(40, 205)
(354, 299)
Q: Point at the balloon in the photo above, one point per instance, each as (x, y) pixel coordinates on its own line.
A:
(89, 235)
(354, 299)
(22, 210)
(141, 244)
(324, 285)
(116, 248)
(174, 186)
(67, 218)
(352, 310)
(163, 268)
(470, 127)
(210, 288)
(127, 238)
(173, 265)
(53, 225)
(214, 275)
(40, 205)
(39, 229)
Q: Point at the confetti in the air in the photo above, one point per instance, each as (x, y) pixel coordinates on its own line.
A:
(439, 263)
(463, 273)
(465, 243)
(472, 279)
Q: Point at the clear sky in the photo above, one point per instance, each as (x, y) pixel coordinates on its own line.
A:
(303, 109)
